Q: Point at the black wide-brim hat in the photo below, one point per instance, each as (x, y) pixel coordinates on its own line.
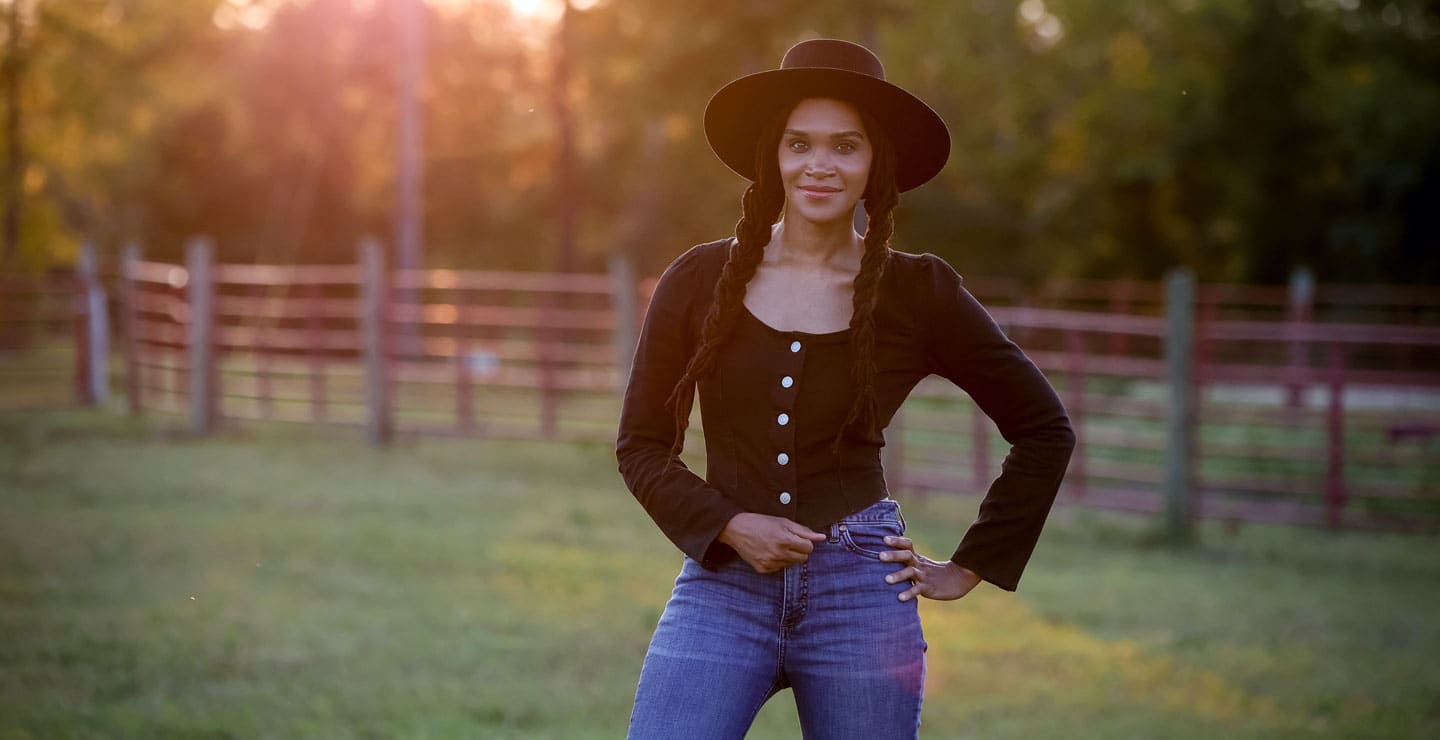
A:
(827, 68)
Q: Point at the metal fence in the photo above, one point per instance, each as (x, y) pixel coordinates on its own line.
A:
(54, 338)
(1301, 404)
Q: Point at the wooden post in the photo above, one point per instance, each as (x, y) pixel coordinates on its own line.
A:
(265, 396)
(314, 324)
(80, 331)
(92, 329)
(1180, 415)
(373, 314)
(99, 324)
(546, 337)
(130, 322)
(464, 392)
(624, 307)
(1301, 311)
(1075, 405)
(199, 261)
(1335, 452)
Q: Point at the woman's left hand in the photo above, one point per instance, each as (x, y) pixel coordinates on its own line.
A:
(932, 579)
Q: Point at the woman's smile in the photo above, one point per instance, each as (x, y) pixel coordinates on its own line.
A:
(824, 158)
(818, 192)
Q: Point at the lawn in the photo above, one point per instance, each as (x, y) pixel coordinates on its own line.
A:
(290, 582)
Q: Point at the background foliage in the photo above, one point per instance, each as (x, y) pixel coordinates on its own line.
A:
(1110, 138)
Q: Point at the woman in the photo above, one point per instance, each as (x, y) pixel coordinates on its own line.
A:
(803, 338)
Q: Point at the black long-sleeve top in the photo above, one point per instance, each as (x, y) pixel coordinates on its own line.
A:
(772, 405)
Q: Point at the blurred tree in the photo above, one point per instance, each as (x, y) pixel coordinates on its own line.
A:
(1101, 138)
(10, 71)
(1117, 138)
(91, 90)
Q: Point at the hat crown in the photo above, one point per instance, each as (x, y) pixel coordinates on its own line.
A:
(833, 54)
(737, 114)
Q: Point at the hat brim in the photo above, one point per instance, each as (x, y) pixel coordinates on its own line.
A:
(739, 111)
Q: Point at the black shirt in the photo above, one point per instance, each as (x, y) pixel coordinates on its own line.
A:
(772, 405)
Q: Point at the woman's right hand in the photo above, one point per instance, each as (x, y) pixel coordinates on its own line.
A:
(769, 543)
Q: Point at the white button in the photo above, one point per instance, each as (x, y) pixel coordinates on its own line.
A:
(782, 458)
(783, 419)
(787, 381)
(784, 497)
(795, 346)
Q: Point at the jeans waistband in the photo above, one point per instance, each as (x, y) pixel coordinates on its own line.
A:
(884, 510)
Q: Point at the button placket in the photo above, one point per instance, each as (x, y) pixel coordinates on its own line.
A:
(782, 427)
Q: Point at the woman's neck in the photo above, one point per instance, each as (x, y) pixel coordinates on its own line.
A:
(811, 243)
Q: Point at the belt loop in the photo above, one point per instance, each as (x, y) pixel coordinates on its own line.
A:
(834, 533)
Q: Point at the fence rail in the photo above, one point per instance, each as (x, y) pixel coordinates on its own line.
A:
(1306, 404)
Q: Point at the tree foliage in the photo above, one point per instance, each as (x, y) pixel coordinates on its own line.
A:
(1097, 138)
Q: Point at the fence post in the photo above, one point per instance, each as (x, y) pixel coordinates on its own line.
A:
(1075, 361)
(1300, 312)
(624, 306)
(95, 340)
(315, 351)
(1180, 414)
(373, 310)
(260, 349)
(79, 304)
(1335, 465)
(130, 325)
(546, 335)
(464, 385)
(199, 261)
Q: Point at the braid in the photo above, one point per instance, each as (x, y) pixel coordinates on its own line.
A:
(881, 198)
(761, 207)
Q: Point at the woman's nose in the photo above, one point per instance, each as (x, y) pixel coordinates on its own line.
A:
(820, 162)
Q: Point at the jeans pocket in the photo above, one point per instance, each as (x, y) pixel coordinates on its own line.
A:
(868, 538)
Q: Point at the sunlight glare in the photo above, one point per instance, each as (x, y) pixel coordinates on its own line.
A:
(543, 12)
(250, 14)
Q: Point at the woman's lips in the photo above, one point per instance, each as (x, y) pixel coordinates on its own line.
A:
(819, 193)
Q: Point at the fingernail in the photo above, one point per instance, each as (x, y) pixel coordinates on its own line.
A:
(889, 540)
(904, 597)
(888, 579)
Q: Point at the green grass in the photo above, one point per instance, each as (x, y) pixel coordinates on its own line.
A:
(288, 582)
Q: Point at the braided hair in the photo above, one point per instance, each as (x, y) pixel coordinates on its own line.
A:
(761, 206)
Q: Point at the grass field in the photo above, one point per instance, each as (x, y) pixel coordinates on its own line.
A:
(283, 582)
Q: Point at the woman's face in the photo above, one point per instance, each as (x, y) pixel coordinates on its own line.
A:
(825, 157)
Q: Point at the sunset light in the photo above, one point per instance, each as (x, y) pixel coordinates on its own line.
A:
(255, 14)
(544, 12)
(547, 11)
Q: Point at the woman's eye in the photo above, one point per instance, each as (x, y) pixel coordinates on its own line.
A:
(845, 147)
(798, 146)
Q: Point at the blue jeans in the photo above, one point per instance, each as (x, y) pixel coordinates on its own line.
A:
(830, 629)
